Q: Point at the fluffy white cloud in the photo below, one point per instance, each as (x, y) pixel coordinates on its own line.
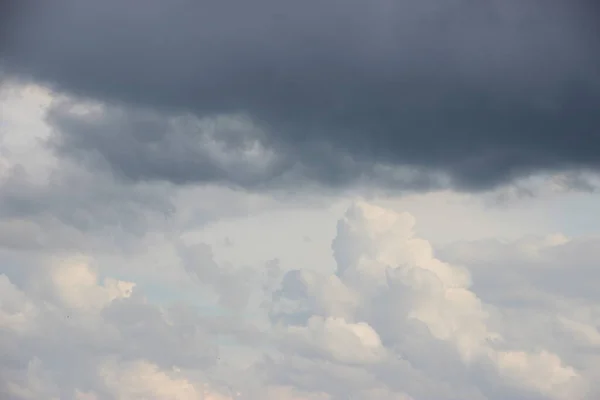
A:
(328, 335)
(77, 286)
(17, 312)
(345, 342)
(438, 294)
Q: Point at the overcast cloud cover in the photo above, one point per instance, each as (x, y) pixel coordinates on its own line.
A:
(276, 200)
(407, 94)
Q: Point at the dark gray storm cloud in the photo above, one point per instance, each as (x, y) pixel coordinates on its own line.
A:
(484, 91)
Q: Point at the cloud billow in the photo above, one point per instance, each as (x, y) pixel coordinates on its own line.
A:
(483, 92)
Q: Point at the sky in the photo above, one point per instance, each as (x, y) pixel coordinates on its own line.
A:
(317, 200)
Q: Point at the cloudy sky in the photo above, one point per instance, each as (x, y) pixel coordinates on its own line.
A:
(285, 200)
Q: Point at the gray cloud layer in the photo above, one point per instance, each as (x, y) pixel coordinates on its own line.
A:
(484, 91)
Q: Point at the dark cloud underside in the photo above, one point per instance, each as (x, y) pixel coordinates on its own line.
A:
(483, 91)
